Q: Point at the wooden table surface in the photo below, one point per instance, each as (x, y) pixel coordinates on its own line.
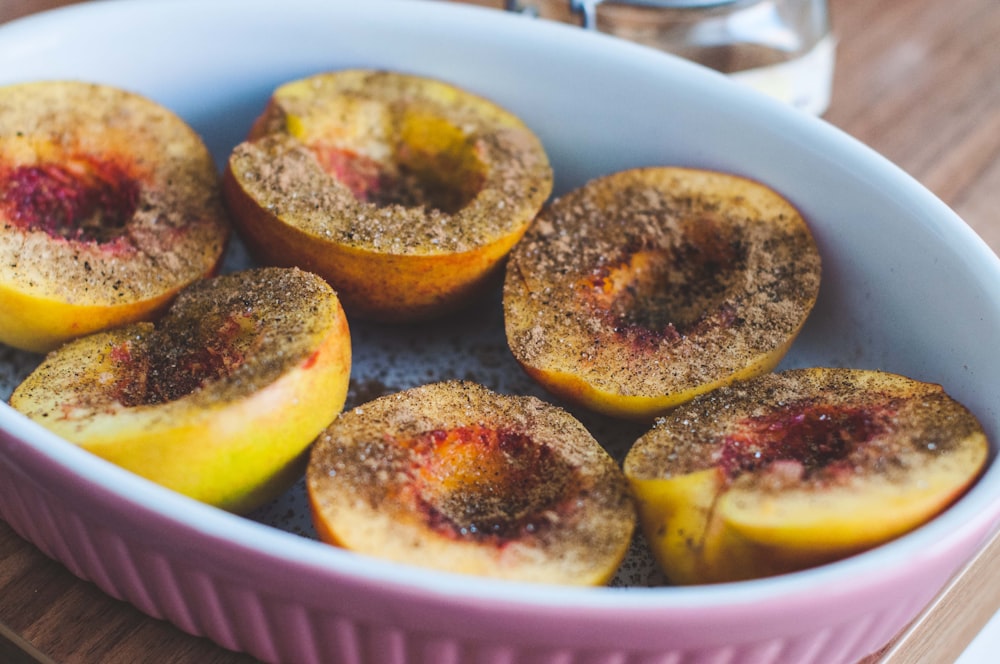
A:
(917, 80)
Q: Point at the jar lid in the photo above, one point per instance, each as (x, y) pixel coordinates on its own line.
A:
(672, 4)
(588, 8)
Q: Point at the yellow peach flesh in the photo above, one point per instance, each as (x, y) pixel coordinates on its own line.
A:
(704, 526)
(234, 450)
(454, 477)
(43, 323)
(841, 518)
(386, 286)
(645, 288)
(417, 190)
(575, 389)
(71, 266)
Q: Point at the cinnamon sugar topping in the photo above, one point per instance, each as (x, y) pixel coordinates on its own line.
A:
(435, 171)
(454, 475)
(653, 281)
(105, 197)
(807, 427)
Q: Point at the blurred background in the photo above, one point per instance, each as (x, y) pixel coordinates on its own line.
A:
(917, 80)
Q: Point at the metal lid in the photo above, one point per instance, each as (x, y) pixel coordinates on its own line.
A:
(666, 4)
(588, 8)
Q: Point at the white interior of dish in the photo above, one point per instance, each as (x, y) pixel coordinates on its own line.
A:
(907, 286)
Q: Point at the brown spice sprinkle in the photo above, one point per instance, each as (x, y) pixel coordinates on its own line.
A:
(222, 339)
(450, 199)
(474, 467)
(238, 332)
(809, 428)
(138, 194)
(651, 281)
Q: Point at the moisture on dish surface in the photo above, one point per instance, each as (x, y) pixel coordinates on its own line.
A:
(469, 345)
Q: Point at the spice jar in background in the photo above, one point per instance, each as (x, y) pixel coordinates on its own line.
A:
(784, 48)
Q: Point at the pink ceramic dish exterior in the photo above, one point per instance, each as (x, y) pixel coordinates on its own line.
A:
(907, 287)
(295, 601)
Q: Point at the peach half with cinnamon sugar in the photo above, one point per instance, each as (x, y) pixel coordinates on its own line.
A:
(796, 469)
(456, 477)
(219, 399)
(109, 205)
(404, 192)
(644, 288)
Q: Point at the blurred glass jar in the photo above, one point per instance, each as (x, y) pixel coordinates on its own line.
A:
(784, 48)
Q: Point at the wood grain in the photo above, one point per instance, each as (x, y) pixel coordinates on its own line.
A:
(48, 615)
(954, 618)
(917, 80)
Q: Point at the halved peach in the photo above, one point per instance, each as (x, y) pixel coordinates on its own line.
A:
(644, 288)
(218, 400)
(799, 468)
(456, 477)
(404, 192)
(109, 205)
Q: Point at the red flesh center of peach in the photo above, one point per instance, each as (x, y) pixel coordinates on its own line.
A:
(81, 199)
(653, 294)
(804, 437)
(181, 362)
(417, 180)
(477, 482)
